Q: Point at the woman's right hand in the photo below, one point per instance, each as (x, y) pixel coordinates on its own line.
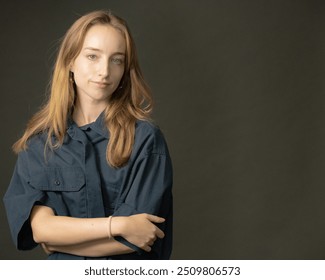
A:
(138, 229)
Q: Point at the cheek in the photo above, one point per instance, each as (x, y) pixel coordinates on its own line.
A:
(81, 79)
(78, 76)
(81, 69)
(117, 75)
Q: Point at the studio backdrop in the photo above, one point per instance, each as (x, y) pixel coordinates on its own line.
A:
(239, 94)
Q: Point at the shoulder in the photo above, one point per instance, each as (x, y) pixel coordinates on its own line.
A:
(34, 151)
(37, 142)
(32, 154)
(146, 128)
(150, 138)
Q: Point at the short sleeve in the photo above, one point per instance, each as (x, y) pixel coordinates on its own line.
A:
(150, 191)
(18, 200)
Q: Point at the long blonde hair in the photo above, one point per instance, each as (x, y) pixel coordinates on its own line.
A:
(130, 102)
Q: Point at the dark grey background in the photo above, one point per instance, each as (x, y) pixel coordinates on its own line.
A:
(239, 90)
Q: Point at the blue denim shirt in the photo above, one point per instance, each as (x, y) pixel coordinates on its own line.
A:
(75, 180)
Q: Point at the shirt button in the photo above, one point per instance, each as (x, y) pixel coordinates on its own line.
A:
(57, 182)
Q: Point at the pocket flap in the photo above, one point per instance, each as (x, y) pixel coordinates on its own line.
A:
(58, 179)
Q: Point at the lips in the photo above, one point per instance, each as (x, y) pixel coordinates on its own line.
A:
(101, 84)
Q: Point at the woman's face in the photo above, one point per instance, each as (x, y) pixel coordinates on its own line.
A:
(99, 66)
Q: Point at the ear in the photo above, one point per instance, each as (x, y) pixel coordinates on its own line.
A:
(71, 67)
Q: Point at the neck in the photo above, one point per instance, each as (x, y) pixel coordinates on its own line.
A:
(87, 113)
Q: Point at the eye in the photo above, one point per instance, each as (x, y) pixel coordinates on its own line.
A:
(92, 56)
(117, 60)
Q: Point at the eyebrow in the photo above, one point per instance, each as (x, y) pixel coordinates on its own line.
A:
(98, 50)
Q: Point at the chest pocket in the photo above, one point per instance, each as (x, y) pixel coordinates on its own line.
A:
(64, 189)
(69, 179)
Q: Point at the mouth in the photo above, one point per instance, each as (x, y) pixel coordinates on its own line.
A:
(101, 84)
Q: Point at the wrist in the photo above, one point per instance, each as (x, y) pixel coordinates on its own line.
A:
(117, 225)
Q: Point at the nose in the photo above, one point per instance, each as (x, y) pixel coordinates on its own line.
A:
(104, 69)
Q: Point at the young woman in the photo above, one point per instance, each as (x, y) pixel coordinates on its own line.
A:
(93, 177)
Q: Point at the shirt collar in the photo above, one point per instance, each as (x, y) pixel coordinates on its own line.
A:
(99, 126)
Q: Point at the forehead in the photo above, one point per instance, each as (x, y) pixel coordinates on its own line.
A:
(105, 38)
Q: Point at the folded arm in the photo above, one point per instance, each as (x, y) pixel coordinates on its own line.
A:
(90, 236)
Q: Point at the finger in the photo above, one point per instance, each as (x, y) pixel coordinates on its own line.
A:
(147, 248)
(160, 233)
(155, 219)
